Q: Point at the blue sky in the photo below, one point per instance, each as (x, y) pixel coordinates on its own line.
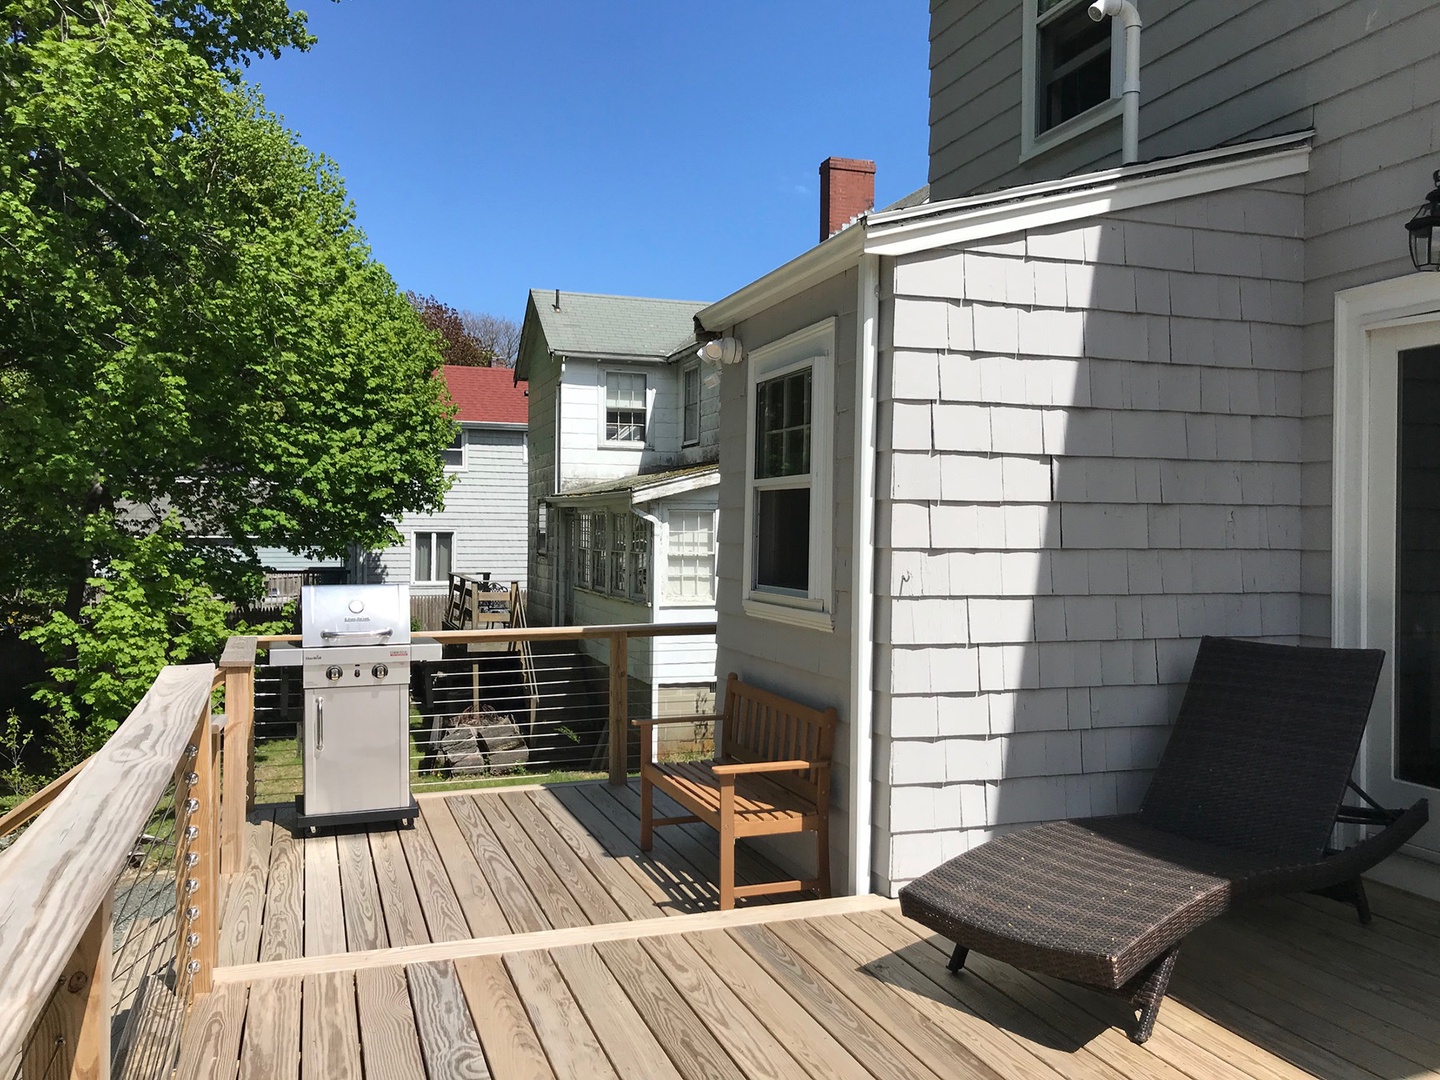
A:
(634, 147)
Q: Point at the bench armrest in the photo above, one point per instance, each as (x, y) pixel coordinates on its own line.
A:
(743, 767)
(706, 718)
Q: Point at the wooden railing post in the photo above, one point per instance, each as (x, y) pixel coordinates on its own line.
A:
(619, 706)
(199, 867)
(238, 665)
(72, 1036)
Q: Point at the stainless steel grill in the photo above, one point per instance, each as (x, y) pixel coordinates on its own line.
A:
(355, 655)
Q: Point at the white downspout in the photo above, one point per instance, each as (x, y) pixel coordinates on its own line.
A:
(862, 578)
(659, 542)
(1130, 92)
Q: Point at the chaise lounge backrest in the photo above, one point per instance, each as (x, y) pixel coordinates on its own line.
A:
(1263, 746)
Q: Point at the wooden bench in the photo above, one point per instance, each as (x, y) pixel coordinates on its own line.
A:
(771, 776)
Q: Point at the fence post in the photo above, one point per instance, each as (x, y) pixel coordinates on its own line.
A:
(72, 1036)
(238, 664)
(619, 706)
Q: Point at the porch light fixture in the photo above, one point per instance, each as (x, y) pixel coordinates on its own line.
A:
(725, 350)
(1424, 241)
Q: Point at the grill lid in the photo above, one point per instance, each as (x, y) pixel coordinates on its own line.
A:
(354, 615)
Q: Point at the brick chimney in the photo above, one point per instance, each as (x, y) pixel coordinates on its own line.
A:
(847, 189)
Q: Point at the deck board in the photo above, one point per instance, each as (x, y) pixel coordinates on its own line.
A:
(391, 1046)
(587, 957)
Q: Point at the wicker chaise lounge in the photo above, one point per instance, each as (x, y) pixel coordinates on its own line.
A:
(1242, 805)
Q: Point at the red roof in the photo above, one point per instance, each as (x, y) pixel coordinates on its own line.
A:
(487, 395)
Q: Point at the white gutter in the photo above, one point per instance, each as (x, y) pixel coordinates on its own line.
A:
(862, 578)
(1125, 11)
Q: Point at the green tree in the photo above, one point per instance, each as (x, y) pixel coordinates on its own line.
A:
(191, 325)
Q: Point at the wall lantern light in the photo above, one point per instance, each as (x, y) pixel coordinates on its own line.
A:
(1424, 229)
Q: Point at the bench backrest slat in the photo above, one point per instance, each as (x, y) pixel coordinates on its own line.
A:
(758, 725)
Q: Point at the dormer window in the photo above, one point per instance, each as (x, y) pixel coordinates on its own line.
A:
(1071, 73)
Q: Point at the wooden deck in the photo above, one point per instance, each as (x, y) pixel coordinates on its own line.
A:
(626, 970)
(477, 864)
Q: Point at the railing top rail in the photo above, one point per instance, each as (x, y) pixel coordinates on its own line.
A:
(549, 633)
(57, 874)
(239, 653)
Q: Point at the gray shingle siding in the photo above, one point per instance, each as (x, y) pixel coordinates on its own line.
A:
(1092, 453)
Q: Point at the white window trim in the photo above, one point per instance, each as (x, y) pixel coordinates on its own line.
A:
(812, 347)
(693, 365)
(602, 378)
(414, 561)
(1033, 144)
(464, 453)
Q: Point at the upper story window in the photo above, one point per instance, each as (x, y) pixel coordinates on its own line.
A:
(690, 404)
(624, 407)
(788, 504)
(453, 456)
(1071, 76)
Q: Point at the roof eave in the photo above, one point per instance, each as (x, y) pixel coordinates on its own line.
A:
(820, 263)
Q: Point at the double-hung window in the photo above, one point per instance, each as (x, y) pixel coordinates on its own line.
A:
(690, 404)
(788, 503)
(690, 555)
(624, 407)
(433, 556)
(1071, 72)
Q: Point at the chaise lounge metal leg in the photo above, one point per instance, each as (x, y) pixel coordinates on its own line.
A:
(1149, 991)
(1350, 892)
(957, 959)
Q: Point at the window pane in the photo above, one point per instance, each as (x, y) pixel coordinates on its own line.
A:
(782, 426)
(423, 556)
(454, 454)
(443, 545)
(1074, 62)
(692, 405)
(1417, 603)
(624, 407)
(782, 539)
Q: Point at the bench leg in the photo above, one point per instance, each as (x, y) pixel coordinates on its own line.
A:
(727, 845)
(957, 959)
(647, 812)
(822, 854)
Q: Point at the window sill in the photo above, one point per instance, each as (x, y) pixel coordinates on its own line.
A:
(616, 444)
(791, 616)
(1036, 145)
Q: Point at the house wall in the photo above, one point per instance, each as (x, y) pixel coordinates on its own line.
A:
(484, 508)
(808, 665)
(1092, 453)
(1364, 75)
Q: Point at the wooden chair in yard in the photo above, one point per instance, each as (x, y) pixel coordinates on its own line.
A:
(771, 776)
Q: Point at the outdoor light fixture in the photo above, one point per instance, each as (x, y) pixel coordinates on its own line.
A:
(1424, 243)
(725, 350)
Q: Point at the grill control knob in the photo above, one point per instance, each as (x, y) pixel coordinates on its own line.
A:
(333, 672)
(380, 670)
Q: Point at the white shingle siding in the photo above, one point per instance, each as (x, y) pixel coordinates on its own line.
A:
(1076, 488)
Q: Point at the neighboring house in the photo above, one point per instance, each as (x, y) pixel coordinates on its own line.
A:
(623, 443)
(481, 529)
(1038, 442)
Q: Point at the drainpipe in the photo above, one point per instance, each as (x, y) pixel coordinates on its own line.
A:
(1125, 11)
(657, 565)
(862, 579)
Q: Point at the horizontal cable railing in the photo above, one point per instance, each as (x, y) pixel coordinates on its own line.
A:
(109, 898)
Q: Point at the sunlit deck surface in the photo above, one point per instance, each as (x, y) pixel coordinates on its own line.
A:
(522, 934)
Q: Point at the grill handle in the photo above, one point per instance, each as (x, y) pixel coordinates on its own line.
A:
(332, 635)
(319, 724)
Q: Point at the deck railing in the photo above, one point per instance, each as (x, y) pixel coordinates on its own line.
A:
(109, 898)
(561, 688)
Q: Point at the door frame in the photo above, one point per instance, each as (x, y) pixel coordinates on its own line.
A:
(1373, 325)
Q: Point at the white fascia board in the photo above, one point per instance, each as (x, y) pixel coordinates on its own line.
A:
(641, 496)
(493, 425)
(1101, 193)
(819, 264)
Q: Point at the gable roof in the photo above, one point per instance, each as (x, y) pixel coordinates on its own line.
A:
(608, 327)
(487, 395)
